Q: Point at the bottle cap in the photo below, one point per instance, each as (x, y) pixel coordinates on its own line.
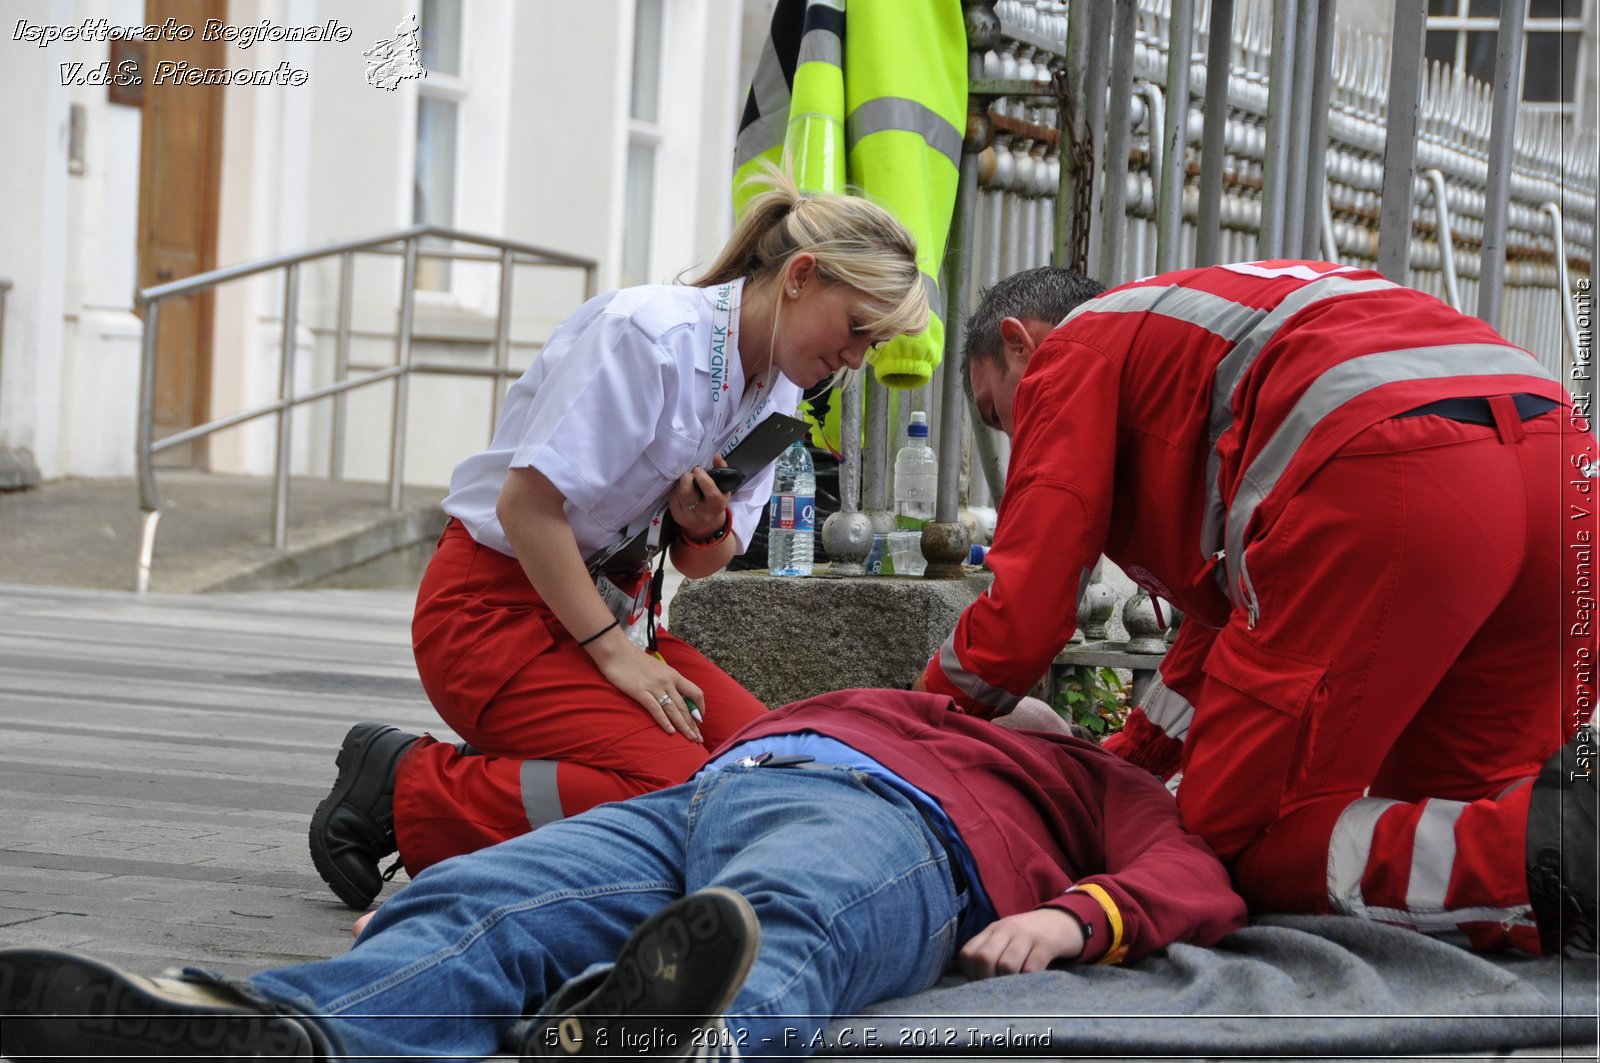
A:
(975, 554)
(918, 428)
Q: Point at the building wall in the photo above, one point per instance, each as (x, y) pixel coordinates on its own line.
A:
(542, 143)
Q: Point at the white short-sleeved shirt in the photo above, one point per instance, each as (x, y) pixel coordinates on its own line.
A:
(635, 389)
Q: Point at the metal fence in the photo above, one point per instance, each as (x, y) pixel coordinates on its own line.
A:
(1283, 135)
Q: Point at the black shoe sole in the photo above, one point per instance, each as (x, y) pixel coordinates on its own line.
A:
(675, 976)
(351, 761)
(55, 1004)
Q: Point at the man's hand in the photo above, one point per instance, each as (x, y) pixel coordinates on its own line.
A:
(1023, 943)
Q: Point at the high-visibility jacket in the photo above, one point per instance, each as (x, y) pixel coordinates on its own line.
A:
(1167, 423)
(880, 108)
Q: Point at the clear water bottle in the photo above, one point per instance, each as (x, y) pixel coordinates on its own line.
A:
(791, 518)
(916, 477)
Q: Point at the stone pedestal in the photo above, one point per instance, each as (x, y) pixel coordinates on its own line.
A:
(787, 639)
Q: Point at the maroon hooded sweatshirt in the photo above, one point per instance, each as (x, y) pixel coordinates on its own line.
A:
(1051, 821)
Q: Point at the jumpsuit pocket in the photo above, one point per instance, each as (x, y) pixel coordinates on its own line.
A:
(1284, 681)
(1251, 745)
(493, 647)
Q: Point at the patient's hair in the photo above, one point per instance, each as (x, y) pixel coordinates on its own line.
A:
(1047, 294)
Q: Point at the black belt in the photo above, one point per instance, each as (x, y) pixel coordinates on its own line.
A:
(1475, 410)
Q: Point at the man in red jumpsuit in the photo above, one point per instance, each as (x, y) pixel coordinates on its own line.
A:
(1377, 518)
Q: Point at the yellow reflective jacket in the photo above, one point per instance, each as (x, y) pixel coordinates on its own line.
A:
(881, 108)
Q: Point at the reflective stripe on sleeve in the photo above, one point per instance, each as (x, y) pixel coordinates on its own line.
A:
(1168, 710)
(971, 685)
(898, 113)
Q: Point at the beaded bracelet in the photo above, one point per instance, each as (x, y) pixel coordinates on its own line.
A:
(721, 534)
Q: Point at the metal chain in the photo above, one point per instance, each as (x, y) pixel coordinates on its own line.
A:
(1082, 155)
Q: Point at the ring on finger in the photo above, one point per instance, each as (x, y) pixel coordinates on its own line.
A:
(690, 506)
(664, 700)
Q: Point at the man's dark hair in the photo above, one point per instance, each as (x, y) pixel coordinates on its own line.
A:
(1047, 293)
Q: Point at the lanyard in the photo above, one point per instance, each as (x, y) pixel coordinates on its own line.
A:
(640, 622)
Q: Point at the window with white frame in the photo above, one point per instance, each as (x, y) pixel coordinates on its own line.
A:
(439, 99)
(645, 135)
(1463, 33)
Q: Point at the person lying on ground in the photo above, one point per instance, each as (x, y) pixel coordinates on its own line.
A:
(842, 851)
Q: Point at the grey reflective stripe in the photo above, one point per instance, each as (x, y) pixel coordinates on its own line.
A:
(771, 92)
(1339, 385)
(821, 46)
(539, 797)
(896, 112)
(1002, 701)
(935, 299)
(764, 134)
(1232, 369)
(1348, 849)
(1447, 921)
(1126, 301)
(1219, 316)
(1433, 855)
(1167, 709)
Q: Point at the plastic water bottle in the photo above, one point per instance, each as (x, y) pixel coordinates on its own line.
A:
(916, 477)
(791, 518)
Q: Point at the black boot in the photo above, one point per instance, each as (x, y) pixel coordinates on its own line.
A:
(353, 829)
(59, 1004)
(665, 995)
(1562, 847)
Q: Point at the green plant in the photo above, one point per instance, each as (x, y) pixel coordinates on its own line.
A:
(1093, 698)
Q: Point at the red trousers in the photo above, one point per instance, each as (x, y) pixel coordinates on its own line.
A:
(551, 736)
(1421, 650)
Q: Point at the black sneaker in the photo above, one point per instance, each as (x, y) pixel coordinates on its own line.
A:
(1561, 851)
(59, 1004)
(353, 828)
(673, 979)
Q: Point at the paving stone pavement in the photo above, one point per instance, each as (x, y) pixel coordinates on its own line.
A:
(162, 758)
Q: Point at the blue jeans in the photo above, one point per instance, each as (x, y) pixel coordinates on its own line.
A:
(852, 888)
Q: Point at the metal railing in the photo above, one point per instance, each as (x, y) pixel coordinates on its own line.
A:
(406, 244)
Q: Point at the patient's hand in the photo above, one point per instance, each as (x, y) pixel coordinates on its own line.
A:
(1023, 943)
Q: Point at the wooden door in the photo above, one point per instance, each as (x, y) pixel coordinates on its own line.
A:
(180, 162)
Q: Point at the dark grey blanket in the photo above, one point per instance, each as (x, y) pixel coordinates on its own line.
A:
(1295, 986)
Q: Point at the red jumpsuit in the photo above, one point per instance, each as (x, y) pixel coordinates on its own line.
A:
(1387, 614)
(629, 393)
